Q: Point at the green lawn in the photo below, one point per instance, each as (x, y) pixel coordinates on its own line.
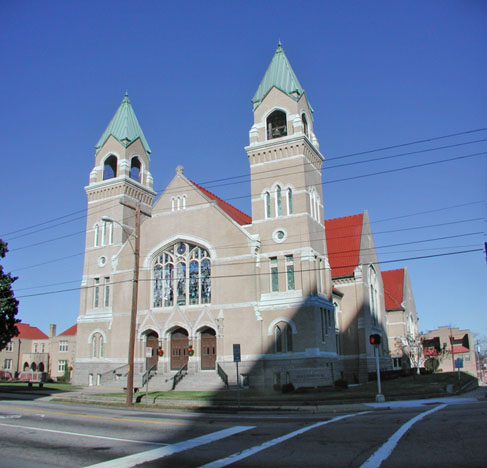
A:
(23, 386)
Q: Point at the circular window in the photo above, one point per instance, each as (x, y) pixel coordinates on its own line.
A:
(102, 261)
(181, 248)
(279, 235)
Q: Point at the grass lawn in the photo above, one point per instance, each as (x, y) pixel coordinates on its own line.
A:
(418, 386)
(23, 386)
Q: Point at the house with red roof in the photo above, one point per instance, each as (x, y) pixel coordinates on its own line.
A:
(29, 350)
(402, 320)
(451, 348)
(358, 296)
(33, 350)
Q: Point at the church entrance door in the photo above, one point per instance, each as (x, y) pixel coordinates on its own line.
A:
(208, 349)
(152, 342)
(179, 348)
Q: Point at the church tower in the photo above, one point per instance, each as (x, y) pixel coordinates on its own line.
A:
(285, 167)
(119, 181)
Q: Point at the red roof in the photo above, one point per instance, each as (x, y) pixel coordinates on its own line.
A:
(393, 288)
(30, 333)
(460, 349)
(70, 331)
(343, 236)
(239, 216)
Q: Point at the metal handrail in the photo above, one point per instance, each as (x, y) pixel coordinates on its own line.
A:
(147, 375)
(223, 375)
(179, 375)
(110, 375)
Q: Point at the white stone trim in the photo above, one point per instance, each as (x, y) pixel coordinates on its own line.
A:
(272, 325)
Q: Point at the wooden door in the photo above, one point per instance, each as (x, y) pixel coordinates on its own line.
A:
(179, 351)
(208, 351)
(151, 342)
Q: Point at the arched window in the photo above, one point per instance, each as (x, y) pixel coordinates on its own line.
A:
(101, 345)
(95, 345)
(33, 366)
(135, 169)
(276, 125)
(305, 124)
(26, 365)
(267, 205)
(97, 235)
(289, 201)
(278, 201)
(110, 168)
(182, 275)
(98, 345)
(283, 338)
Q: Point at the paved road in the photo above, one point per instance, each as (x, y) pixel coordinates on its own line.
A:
(451, 432)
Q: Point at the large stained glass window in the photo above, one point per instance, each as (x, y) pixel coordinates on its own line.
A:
(182, 276)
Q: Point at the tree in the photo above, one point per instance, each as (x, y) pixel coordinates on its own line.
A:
(9, 306)
(411, 346)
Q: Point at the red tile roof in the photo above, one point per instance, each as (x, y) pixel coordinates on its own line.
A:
(460, 349)
(393, 288)
(343, 236)
(70, 331)
(239, 216)
(30, 333)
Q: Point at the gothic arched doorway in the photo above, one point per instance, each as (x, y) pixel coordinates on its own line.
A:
(151, 347)
(208, 349)
(179, 348)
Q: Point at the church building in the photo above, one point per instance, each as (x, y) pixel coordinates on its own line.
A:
(209, 276)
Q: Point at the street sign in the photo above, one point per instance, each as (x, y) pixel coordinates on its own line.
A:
(236, 353)
(148, 352)
(458, 363)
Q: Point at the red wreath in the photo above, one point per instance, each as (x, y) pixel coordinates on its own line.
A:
(160, 352)
(190, 351)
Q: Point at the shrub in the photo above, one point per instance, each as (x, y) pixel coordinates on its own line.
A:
(287, 388)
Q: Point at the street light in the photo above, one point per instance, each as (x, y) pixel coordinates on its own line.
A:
(135, 291)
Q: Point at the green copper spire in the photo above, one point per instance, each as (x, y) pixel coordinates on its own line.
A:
(124, 127)
(281, 75)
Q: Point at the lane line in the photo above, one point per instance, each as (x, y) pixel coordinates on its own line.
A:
(258, 448)
(151, 455)
(92, 416)
(383, 452)
(78, 434)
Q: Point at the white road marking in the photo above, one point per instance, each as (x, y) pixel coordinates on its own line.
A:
(138, 458)
(258, 448)
(11, 416)
(77, 434)
(378, 457)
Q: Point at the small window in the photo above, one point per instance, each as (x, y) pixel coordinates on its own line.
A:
(135, 169)
(276, 125)
(96, 292)
(290, 272)
(8, 364)
(289, 201)
(274, 275)
(62, 365)
(63, 346)
(278, 339)
(9, 347)
(106, 294)
(326, 323)
(278, 201)
(267, 205)
(110, 168)
(305, 124)
(283, 338)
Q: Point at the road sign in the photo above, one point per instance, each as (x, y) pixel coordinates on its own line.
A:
(236, 353)
(458, 363)
(148, 352)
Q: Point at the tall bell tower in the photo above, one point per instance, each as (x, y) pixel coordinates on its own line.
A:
(285, 167)
(119, 180)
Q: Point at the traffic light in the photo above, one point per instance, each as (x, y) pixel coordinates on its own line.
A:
(374, 339)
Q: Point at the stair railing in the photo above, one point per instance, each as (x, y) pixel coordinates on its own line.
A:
(223, 375)
(179, 375)
(111, 374)
(147, 375)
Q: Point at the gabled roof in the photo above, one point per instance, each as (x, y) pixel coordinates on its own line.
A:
(30, 333)
(343, 237)
(238, 216)
(124, 126)
(71, 331)
(393, 288)
(281, 75)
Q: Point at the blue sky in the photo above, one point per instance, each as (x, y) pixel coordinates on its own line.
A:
(378, 74)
